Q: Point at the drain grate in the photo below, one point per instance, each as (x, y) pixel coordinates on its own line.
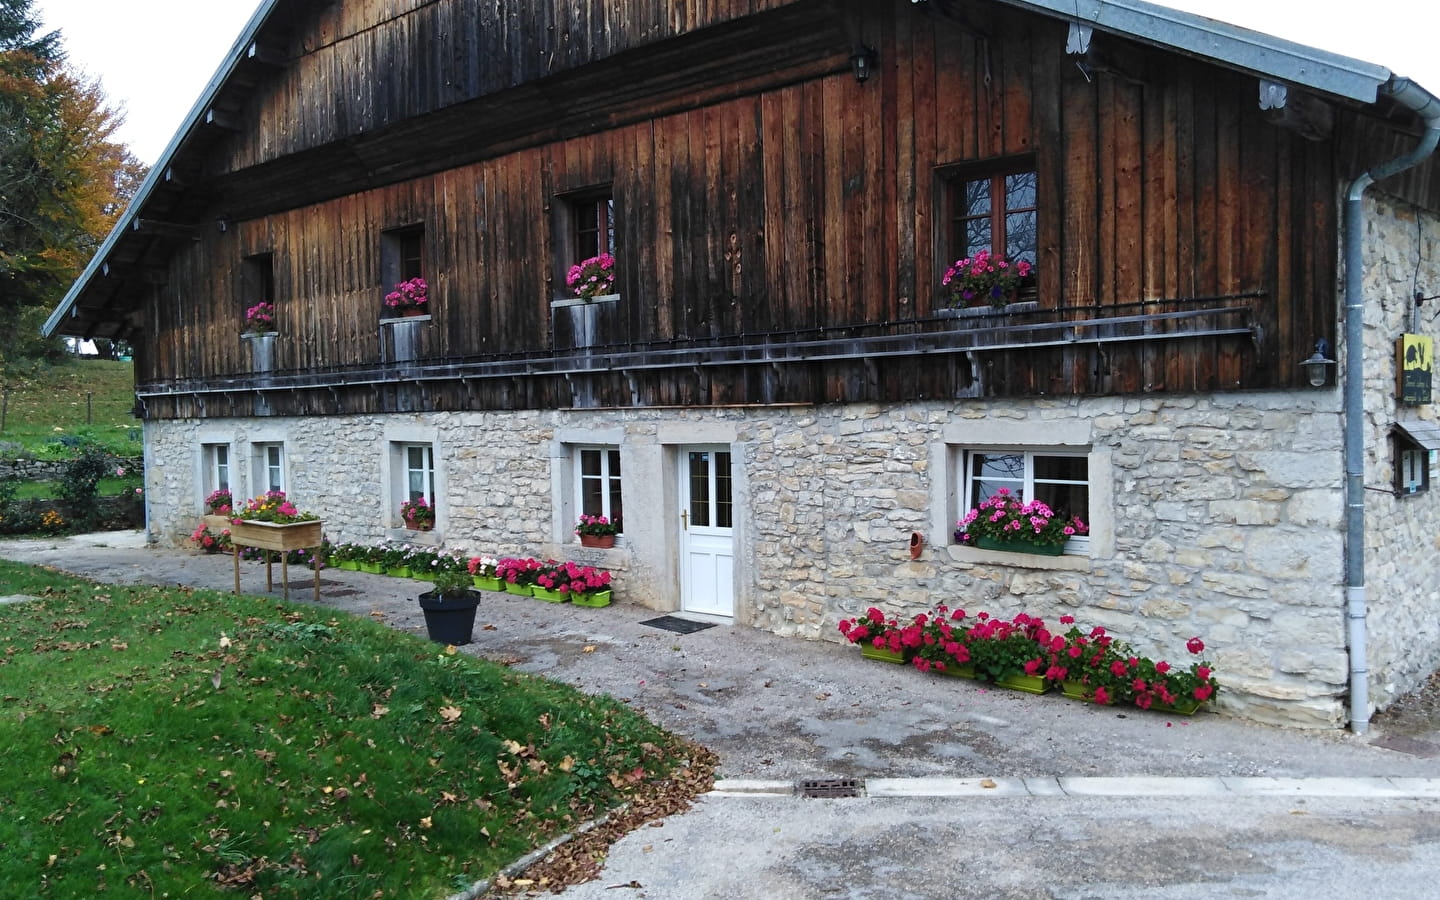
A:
(820, 788)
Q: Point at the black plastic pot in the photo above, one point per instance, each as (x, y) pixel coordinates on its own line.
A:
(450, 619)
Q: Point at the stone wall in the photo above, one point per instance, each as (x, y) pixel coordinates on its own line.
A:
(1402, 255)
(52, 469)
(1214, 516)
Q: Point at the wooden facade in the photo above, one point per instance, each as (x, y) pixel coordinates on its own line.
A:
(777, 222)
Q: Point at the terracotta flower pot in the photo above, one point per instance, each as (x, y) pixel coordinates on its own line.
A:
(600, 541)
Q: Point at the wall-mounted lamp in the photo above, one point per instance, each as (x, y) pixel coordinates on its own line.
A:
(222, 225)
(862, 61)
(1317, 366)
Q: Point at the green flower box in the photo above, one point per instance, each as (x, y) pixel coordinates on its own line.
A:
(986, 543)
(521, 589)
(488, 583)
(398, 571)
(549, 596)
(348, 565)
(868, 651)
(1184, 706)
(958, 671)
(372, 568)
(597, 599)
(1030, 684)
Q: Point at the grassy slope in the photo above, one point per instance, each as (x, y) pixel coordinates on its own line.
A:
(168, 741)
(51, 397)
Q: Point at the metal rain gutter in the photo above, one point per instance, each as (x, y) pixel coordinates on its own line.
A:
(157, 172)
(1222, 43)
(1427, 106)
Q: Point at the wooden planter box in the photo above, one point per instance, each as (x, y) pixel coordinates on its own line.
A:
(284, 538)
(269, 536)
(216, 523)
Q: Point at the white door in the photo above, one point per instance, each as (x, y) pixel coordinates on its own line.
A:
(707, 543)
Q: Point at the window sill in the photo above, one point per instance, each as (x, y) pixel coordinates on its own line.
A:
(562, 302)
(973, 556)
(430, 538)
(398, 319)
(256, 335)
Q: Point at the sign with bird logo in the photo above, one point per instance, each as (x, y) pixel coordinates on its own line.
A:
(1414, 355)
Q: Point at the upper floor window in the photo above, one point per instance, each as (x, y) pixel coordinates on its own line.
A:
(597, 481)
(402, 258)
(991, 208)
(585, 230)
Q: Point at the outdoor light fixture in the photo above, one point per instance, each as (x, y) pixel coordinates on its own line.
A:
(1316, 365)
(863, 62)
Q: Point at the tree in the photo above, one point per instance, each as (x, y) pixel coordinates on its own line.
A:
(63, 179)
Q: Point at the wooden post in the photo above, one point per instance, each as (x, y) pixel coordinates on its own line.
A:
(237, 566)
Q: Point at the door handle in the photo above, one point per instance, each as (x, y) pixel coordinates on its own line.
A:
(685, 520)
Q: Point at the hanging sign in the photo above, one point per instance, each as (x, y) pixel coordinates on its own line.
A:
(1413, 357)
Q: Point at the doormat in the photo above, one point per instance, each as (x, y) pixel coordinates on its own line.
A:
(677, 624)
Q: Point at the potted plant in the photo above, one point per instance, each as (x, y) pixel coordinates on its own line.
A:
(417, 514)
(591, 278)
(371, 559)
(210, 541)
(450, 607)
(410, 298)
(482, 572)
(877, 635)
(985, 279)
(517, 575)
(219, 509)
(1004, 521)
(597, 531)
(260, 318)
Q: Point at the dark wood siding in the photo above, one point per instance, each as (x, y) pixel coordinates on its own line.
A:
(807, 207)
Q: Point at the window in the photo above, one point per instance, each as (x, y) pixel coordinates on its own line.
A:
(419, 472)
(1060, 480)
(257, 279)
(992, 209)
(402, 256)
(594, 219)
(215, 469)
(584, 228)
(597, 483)
(269, 467)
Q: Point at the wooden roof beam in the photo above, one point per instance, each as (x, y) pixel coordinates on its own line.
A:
(218, 118)
(268, 55)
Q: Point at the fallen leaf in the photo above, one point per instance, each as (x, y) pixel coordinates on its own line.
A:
(377, 711)
(119, 645)
(489, 628)
(450, 713)
(224, 641)
(426, 823)
(217, 677)
(988, 783)
(822, 696)
(588, 648)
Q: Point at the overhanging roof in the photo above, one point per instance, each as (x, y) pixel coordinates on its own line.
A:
(1216, 42)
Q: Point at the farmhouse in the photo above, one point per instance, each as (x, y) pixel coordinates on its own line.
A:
(776, 388)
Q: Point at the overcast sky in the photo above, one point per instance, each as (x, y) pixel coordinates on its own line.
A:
(154, 57)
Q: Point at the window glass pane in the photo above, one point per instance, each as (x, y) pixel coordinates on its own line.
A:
(1020, 237)
(700, 489)
(617, 506)
(977, 236)
(590, 463)
(723, 512)
(592, 500)
(1065, 500)
(976, 198)
(1020, 190)
(1062, 468)
(989, 472)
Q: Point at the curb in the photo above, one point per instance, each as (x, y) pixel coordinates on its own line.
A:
(1081, 787)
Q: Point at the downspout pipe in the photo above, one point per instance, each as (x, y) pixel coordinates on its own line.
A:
(1427, 107)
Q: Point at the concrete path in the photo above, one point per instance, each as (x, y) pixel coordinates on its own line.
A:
(948, 766)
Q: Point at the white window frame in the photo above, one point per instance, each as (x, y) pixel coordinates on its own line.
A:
(606, 478)
(264, 466)
(425, 472)
(395, 472)
(219, 473)
(1079, 545)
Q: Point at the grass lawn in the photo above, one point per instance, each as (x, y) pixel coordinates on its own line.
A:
(163, 741)
(46, 398)
(43, 490)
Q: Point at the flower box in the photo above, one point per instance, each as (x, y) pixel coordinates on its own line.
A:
(957, 671)
(987, 543)
(216, 523)
(601, 541)
(596, 599)
(398, 571)
(1184, 706)
(270, 536)
(488, 583)
(1030, 684)
(549, 596)
(521, 589)
(373, 568)
(881, 654)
